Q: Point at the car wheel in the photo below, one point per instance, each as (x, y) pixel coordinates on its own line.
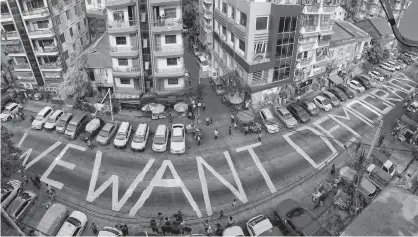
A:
(35, 200)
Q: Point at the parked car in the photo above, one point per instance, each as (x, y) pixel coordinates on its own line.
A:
(233, 231)
(309, 106)
(285, 117)
(387, 67)
(52, 220)
(110, 231)
(356, 86)
(139, 141)
(269, 121)
(52, 121)
(204, 65)
(383, 162)
(42, 117)
(393, 64)
(178, 139)
(61, 124)
(364, 81)
(92, 129)
(10, 190)
(195, 50)
(10, 111)
(21, 205)
(159, 143)
(376, 75)
(76, 125)
(335, 102)
(346, 90)
(322, 103)
(299, 220)
(299, 113)
(338, 93)
(74, 225)
(123, 134)
(107, 133)
(262, 226)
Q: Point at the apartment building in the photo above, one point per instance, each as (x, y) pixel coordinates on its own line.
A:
(95, 5)
(373, 8)
(205, 23)
(146, 45)
(42, 37)
(256, 42)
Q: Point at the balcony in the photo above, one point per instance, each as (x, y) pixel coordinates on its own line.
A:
(50, 66)
(326, 26)
(167, 25)
(24, 66)
(13, 50)
(41, 33)
(49, 50)
(303, 62)
(164, 2)
(115, 27)
(10, 34)
(119, 3)
(128, 51)
(318, 71)
(169, 72)
(206, 1)
(321, 57)
(208, 14)
(324, 42)
(6, 17)
(126, 71)
(306, 47)
(36, 13)
(313, 9)
(262, 60)
(308, 29)
(284, 2)
(162, 51)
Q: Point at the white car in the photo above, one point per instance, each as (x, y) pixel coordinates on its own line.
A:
(123, 134)
(52, 121)
(376, 75)
(322, 103)
(178, 139)
(270, 122)
(262, 226)
(10, 111)
(9, 192)
(393, 64)
(353, 84)
(110, 231)
(233, 231)
(140, 137)
(42, 117)
(387, 67)
(74, 225)
(204, 65)
(159, 143)
(285, 117)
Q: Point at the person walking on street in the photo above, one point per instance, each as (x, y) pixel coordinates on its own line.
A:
(48, 188)
(333, 169)
(207, 121)
(216, 133)
(210, 120)
(218, 230)
(198, 140)
(259, 136)
(231, 222)
(234, 203)
(221, 214)
(94, 228)
(230, 130)
(235, 125)
(161, 218)
(119, 226)
(125, 230)
(204, 106)
(232, 118)
(206, 224)
(89, 144)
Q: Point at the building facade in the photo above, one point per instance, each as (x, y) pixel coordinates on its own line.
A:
(373, 8)
(146, 45)
(340, 14)
(95, 5)
(43, 37)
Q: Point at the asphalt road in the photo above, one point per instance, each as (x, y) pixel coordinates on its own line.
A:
(282, 162)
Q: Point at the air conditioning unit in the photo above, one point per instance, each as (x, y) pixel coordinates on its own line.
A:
(146, 65)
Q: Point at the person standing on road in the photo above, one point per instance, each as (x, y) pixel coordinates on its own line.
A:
(204, 106)
(259, 136)
(216, 133)
(94, 228)
(221, 214)
(125, 230)
(207, 121)
(232, 118)
(198, 140)
(231, 222)
(89, 144)
(234, 203)
(235, 125)
(230, 130)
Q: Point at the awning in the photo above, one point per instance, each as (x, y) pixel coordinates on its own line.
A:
(336, 79)
(10, 42)
(328, 32)
(307, 35)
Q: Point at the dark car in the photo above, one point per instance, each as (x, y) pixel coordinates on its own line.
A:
(346, 90)
(299, 113)
(309, 106)
(299, 220)
(21, 205)
(338, 93)
(106, 133)
(363, 81)
(92, 129)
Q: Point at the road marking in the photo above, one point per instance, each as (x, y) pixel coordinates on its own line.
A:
(240, 193)
(22, 139)
(26, 154)
(403, 84)
(302, 152)
(62, 163)
(257, 162)
(158, 181)
(351, 103)
(331, 130)
(384, 111)
(40, 156)
(114, 181)
(385, 97)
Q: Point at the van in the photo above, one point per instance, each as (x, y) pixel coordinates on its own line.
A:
(383, 162)
(204, 65)
(123, 134)
(52, 220)
(159, 143)
(140, 137)
(62, 122)
(378, 177)
(42, 117)
(76, 125)
(367, 189)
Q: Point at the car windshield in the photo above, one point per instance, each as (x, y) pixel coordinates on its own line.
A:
(60, 123)
(25, 196)
(121, 136)
(177, 139)
(73, 221)
(6, 111)
(159, 140)
(71, 127)
(103, 133)
(4, 194)
(325, 102)
(51, 120)
(39, 118)
(139, 138)
(270, 121)
(298, 211)
(204, 63)
(287, 116)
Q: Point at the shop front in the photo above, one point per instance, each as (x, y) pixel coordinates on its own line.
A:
(406, 130)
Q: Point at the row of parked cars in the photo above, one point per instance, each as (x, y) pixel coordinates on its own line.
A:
(79, 124)
(302, 110)
(392, 66)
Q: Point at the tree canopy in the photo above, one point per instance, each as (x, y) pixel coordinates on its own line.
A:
(189, 14)
(376, 53)
(10, 154)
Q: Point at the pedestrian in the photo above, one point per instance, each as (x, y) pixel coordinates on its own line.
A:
(259, 136)
(246, 128)
(216, 133)
(206, 224)
(48, 188)
(89, 144)
(118, 226)
(333, 169)
(235, 125)
(218, 230)
(187, 230)
(160, 218)
(32, 233)
(168, 225)
(198, 140)
(204, 106)
(94, 228)
(125, 230)
(207, 121)
(170, 119)
(179, 216)
(232, 118)
(230, 130)
(210, 120)
(52, 194)
(221, 214)
(209, 231)
(234, 203)
(231, 221)
(25, 178)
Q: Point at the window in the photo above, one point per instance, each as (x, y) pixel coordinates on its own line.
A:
(294, 22)
(68, 14)
(242, 45)
(171, 61)
(125, 81)
(170, 13)
(9, 27)
(260, 47)
(170, 39)
(89, 2)
(123, 61)
(223, 30)
(261, 23)
(34, 4)
(81, 42)
(42, 24)
(232, 38)
(118, 16)
(173, 81)
(121, 40)
(232, 12)
(71, 31)
(99, 1)
(243, 19)
(76, 11)
(62, 38)
(224, 7)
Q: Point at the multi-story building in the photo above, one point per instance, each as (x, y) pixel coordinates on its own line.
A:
(255, 41)
(380, 31)
(205, 22)
(95, 5)
(43, 37)
(373, 8)
(313, 45)
(146, 45)
(340, 14)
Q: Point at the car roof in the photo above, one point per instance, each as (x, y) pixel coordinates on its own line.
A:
(355, 82)
(123, 127)
(108, 125)
(320, 97)
(66, 116)
(56, 112)
(43, 111)
(141, 129)
(267, 112)
(283, 110)
(328, 93)
(177, 132)
(11, 105)
(160, 129)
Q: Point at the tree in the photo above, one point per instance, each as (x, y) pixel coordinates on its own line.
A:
(10, 155)
(189, 14)
(376, 54)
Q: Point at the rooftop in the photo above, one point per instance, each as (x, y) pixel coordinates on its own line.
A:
(99, 53)
(345, 33)
(393, 213)
(376, 27)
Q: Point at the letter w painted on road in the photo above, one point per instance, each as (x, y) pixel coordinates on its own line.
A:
(240, 193)
(114, 180)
